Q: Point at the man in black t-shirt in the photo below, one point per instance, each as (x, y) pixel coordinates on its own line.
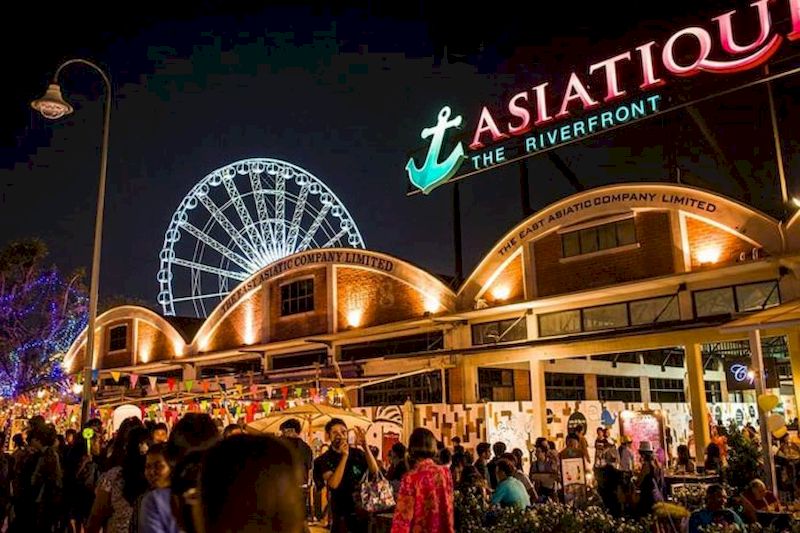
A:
(290, 431)
(342, 469)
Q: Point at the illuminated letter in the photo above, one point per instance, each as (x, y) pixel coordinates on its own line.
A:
(729, 44)
(648, 73)
(541, 104)
(726, 29)
(575, 89)
(610, 66)
(520, 112)
(668, 55)
(485, 123)
(794, 7)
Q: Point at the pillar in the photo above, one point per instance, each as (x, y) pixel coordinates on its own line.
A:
(189, 372)
(757, 365)
(538, 400)
(697, 399)
(793, 343)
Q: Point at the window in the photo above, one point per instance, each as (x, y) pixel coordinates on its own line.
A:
(560, 323)
(664, 390)
(713, 391)
(605, 317)
(496, 384)
(419, 388)
(664, 357)
(736, 299)
(757, 296)
(597, 238)
(655, 310)
(118, 338)
(619, 388)
(560, 386)
(297, 297)
(299, 359)
(613, 316)
(424, 342)
(513, 329)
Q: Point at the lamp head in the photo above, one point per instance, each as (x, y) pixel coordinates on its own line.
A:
(52, 105)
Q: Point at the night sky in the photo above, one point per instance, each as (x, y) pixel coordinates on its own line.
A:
(342, 92)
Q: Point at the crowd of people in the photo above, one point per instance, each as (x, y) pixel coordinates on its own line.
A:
(200, 477)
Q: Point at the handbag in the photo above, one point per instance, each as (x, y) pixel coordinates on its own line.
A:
(377, 495)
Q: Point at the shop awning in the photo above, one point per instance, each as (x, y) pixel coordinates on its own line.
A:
(784, 315)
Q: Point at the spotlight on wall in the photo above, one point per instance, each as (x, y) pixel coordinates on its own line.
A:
(354, 317)
(431, 304)
(796, 201)
(501, 292)
(708, 254)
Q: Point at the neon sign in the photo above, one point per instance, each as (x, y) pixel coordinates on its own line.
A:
(528, 121)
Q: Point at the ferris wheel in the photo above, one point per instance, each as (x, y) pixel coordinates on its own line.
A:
(239, 219)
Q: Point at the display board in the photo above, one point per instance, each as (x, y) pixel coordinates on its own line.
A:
(643, 426)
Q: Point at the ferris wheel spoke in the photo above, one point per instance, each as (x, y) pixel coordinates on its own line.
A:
(332, 240)
(318, 220)
(228, 226)
(200, 297)
(241, 276)
(244, 215)
(263, 211)
(219, 247)
(297, 217)
(280, 211)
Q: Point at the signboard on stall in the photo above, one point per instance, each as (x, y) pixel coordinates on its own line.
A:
(643, 426)
(573, 479)
(738, 375)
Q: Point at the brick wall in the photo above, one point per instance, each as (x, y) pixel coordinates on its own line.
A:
(653, 258)
(383, 299)
(242, 322)
(119, 358)
(705, 237)
(510, 279)
(152, 344)
(301, 325)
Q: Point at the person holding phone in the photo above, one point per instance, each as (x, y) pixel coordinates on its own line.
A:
(343, 466)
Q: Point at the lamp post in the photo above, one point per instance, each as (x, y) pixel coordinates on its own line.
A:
(53, 106)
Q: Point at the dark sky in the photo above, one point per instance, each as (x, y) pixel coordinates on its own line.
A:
(342, 92)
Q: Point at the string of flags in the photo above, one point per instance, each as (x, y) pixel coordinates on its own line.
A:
(228, 385)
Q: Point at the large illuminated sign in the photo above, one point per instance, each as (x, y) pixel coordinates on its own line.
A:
(543, 117)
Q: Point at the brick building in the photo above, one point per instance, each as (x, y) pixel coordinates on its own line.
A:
(616, 294)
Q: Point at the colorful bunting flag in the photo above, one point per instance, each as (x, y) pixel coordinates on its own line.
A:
(285, 392)
(298, 392)
(171, 383)
(116, 375)
(266, 407)
(253, 390)
(134, 380)
(188, 384)
(153, 383)
(205, 384)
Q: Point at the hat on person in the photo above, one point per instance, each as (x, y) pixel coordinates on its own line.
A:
(626, 439)
(645, 446)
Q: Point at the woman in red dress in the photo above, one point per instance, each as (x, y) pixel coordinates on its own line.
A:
(425, 498)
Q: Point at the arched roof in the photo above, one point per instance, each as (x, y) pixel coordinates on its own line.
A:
(382, 263)
(125, 312)
(711, 207)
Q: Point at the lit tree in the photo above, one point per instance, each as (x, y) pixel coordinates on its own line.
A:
(41, 313)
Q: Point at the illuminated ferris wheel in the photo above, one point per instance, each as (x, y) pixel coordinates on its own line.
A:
(239, 219)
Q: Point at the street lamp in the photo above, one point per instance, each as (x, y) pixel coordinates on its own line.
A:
(52, 106)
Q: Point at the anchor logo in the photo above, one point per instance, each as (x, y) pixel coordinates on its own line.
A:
(433, 173)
